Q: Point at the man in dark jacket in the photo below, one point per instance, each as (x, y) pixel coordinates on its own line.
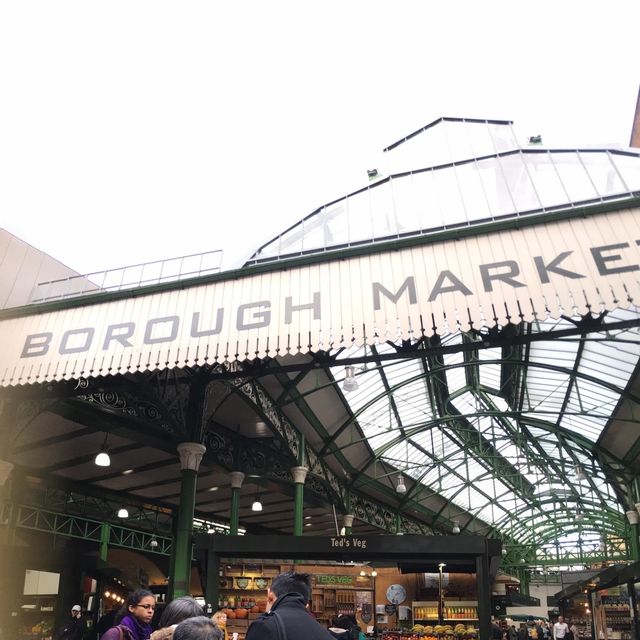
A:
(74, 628)
(287, 614)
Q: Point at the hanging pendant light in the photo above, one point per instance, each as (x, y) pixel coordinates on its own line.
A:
(123, 513)
(257, 505)
(103, 459)
(401, 487)
(349, 383)
(456, 527)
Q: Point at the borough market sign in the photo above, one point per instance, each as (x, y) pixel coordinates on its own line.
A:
(571, 267)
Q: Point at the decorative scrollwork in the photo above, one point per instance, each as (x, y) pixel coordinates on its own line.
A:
(129, 405)
(81, 383)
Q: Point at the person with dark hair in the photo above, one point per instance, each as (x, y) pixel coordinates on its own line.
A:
(287, 614)
(198, 628)
(133, 621)
(178, 610)
(338, 631)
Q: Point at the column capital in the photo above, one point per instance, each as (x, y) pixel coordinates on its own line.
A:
(299, 474)
(237, 478)
(191, 455)
(347, 520)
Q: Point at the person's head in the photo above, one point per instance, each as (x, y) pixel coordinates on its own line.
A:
(289, 582)
(140, 605)
(180, 609)
(220, 618)
(199, 628)
(76, 610)
(346, 621)
(560, 619)
(335, 622)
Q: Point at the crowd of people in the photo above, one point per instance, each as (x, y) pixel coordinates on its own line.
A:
(287, 616)
(535, 630)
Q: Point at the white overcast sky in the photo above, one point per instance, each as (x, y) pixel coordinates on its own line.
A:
(137, 130)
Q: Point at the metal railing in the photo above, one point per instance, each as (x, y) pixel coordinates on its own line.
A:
(129, 277)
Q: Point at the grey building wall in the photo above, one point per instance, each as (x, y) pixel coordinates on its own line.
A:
(22, 267)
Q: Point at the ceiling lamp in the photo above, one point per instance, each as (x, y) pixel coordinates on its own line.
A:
(103, 459)
(154, 542)
(123, 513)
(401, 487)
(580, 474)
(363, 573)
(456, 527)
(257, 505)
(349, 383)
(374, 573)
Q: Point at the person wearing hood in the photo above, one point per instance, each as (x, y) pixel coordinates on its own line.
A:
(74, 628)
(287, 614)
(133, 621)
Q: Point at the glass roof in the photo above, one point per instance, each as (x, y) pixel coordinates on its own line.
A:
(454, 173)
(487, 436)
(498, 462)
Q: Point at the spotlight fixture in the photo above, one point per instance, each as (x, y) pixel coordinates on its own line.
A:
(456, 527)
(580, 474)
(372, 173)
(153, 543)
(349, 383)
(257, 505)
(401, 487)
(374, 573)
(103, 459)
(123, 513)
(535, 139)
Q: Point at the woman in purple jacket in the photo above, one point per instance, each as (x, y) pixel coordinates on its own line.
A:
(133, 621)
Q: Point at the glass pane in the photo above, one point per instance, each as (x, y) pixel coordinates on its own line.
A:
(574, 176)
(519, 183)
(629, 167)
(382, 213)
(428, 203)
(545, 179)
(449, 195)
(404, 199)
(602, 172)
(472, 191)
(495, 187)
(360, 223)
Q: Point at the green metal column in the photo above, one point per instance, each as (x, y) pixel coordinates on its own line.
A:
(105, 533)
(237, 478)
(484, 597)
(190, 456)
(634, 547)
(299, 476)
